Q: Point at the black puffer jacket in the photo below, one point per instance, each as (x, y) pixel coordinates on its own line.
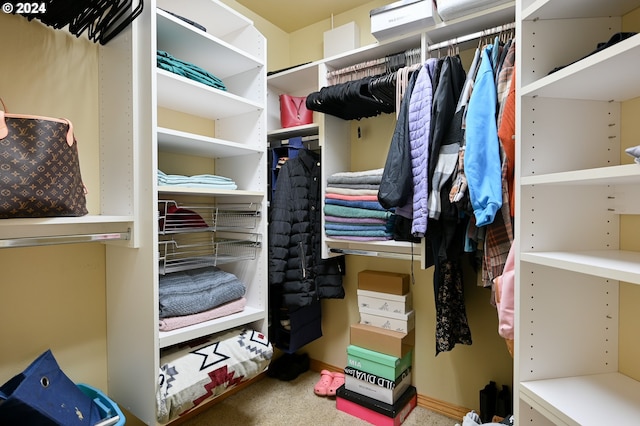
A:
(295, 229)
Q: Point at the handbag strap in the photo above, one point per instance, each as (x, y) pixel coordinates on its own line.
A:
(297, 106)
(4, 130)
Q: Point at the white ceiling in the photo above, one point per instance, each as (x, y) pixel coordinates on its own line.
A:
(291, 15)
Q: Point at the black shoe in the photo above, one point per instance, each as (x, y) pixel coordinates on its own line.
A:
(488, 397)
(277, 366)
(297, 365)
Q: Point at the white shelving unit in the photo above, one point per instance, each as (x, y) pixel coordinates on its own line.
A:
(334, 133)
(235, 52)
(572, 190)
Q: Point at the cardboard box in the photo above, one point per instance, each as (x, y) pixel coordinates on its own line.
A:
(376, 412)
(402, 323)
(384, 282)
(377, 387)
(386, 302)
(377, 363)
(378, 339)
(401, 17)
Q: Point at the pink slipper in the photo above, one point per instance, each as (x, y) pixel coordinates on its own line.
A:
(326, 379)
(338, 380)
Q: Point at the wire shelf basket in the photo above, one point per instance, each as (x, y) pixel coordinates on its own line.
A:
(180, 252)
(175, 218)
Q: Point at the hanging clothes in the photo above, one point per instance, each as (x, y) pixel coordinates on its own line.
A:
(458, 193)
(507, 133)
(482, 157)
(298, 276)
(419, 133)
(452, 326)
(499, 233)
(445, 99)
(444, 236)
(395, 187)
(505, 285)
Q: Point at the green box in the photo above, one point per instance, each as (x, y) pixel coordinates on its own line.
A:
(377, 363)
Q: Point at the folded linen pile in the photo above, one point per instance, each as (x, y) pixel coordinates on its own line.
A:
(200, 181)
(173, 323)
(352, 210)
(197, 291)
(186, 69)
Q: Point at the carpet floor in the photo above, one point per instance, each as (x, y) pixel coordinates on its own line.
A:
(274, 402)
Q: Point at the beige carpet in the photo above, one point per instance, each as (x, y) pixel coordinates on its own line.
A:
(273, 402)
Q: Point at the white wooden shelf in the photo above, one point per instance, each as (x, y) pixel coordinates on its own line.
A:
(291, 132)
(222, 24)
(612, 264)
(615, 175)
(552, 9)
(193, 144)
(385, 249)
(374, 51)
(184, 190)
(182, 94)
(575, 81)
(599, 399)
(478, 21)
(247, 316)
(222, 59)
(295, 80)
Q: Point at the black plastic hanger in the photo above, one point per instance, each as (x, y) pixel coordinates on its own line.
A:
(110, 15)
(120, 21)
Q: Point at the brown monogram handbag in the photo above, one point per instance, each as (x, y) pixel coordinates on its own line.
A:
(39, 168)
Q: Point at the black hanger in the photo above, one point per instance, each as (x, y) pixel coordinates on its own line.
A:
(102, 19)
(383, 88)
(85, 17)
(114, 20)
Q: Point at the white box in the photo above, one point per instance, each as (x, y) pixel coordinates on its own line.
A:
(385, 302)
(454, 9)
(402, 323)
(376, 387)
(401, 17)
(341, 39)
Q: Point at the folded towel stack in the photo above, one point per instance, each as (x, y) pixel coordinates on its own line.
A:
(352, 210)
(200, 181)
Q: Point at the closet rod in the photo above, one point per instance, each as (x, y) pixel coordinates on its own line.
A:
(63, 239)
(385, 254)
(473, 36)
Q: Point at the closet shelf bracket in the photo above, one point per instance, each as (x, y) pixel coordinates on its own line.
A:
(63, 239)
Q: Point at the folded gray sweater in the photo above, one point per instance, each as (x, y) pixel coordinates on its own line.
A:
(194, 291)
